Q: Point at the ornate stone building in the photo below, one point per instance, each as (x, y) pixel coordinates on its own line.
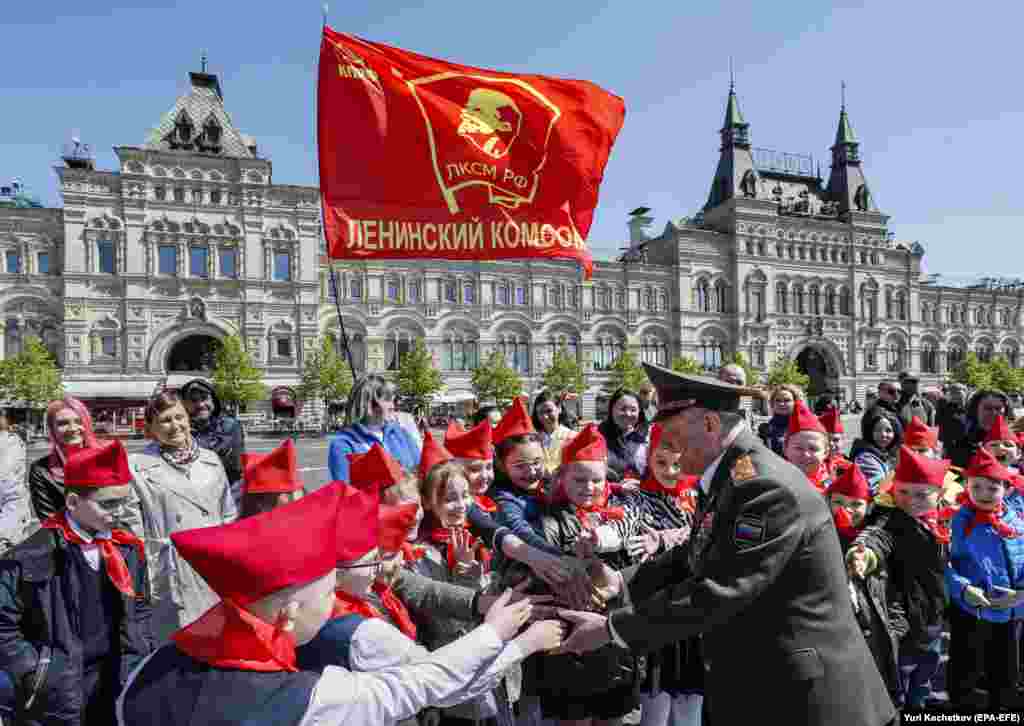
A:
(189, 239)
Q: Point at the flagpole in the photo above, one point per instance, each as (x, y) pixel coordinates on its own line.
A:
(323, 228)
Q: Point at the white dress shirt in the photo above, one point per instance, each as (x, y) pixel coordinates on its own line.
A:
(90, 549)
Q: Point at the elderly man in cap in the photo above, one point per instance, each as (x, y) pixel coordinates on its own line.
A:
(762, 578)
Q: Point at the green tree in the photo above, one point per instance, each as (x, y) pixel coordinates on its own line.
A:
(972, 372)
(564, 375)
(32, 376)
(785, 370)
(326, 375)
(687, 365)
(495, 381)
(625, 372)
(236, 379)
(1004, 376)
(753, 376)
(418, 379)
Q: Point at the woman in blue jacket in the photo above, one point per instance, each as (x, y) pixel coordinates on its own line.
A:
(368, 421)
(985, 580)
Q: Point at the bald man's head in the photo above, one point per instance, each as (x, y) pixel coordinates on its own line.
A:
(733, 374)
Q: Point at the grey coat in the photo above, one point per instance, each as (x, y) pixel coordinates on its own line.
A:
(168, 501)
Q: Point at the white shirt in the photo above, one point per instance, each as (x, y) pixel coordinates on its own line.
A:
(90, 549)
(705, 483)
(384, 697)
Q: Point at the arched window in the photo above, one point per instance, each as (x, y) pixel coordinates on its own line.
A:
(570, 344)
(895, 355)
(654, 350)
(449, 291)
(901, 305)
(703, 297)
(929, 357)
(781, 298)
(415, 294)
(662, 302)
(502, 295)
(459, 351)
(984, 351)
(516, 349)
(357, 346)
(392, 290)
(830, 300)
(888, 304)
(721, 297)
(845, 302)
(711, 353)
(815, 300)
(604, 298)
(397, 345)
(757, 354)
(355, 289)
(606, 349)
(552, 297)
(648, 299)
(468, 293)
(12, 338)
(925, 313)
(954, 356)
(799, 299)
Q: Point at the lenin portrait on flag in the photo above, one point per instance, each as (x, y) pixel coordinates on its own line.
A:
(495, 143)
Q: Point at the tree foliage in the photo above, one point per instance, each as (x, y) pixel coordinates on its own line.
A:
(32, 376)
(785, 370)
(496, 381)
(625, 372)
(236, 379)
(418, 379)
(687, 365)
(753, 375)
(326, 375)
(564, 375)
(972, 372)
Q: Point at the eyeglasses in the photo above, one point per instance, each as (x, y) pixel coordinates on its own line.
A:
(111, 505)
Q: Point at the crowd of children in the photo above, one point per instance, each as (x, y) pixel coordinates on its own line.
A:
(500, 522)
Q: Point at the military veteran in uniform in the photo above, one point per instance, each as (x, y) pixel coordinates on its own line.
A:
(762, 579)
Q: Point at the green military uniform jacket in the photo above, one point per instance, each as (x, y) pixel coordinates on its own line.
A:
(763, 580)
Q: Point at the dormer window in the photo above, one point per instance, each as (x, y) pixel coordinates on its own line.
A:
(184, 129)
(210, 140)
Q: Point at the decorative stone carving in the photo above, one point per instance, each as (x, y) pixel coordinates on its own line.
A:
(197, 309)
(74, 311)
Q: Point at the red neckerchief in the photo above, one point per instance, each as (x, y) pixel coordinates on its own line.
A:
(932, 521)
(837, 464)
(991, 517)
(1017, 482)
(486, 503)
(346, 604)
(396, 609)
(412, 553)
(228, 636)
(684, 492)
(443, 535)
(113, 560)
(844, 524)
(599, 511)
(820, 479)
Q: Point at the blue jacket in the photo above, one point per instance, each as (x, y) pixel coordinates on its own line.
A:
(985, 560)
(357, 439)
(1015, 500)
(521, 513)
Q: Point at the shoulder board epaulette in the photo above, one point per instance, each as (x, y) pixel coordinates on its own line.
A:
(743, 469)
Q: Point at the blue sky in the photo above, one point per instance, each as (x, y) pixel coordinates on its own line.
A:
(933, 91)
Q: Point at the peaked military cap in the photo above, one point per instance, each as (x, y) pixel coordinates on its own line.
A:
(677, 392)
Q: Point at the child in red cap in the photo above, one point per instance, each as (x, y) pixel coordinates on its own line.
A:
(908, 544)
(807, 445)
(986, 584)
(238, 663)
(270, 480)
(75, 599)
(832, 420)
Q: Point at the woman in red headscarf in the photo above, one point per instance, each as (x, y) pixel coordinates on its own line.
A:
(69, 426)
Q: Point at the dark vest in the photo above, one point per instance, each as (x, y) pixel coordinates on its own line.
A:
(99, 608)
(175, 690)
(331, 645)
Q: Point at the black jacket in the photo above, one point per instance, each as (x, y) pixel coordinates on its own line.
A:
(622, 449)
(39, 617)
(763, 580)
(222, 435)
(46, 492)
(915, 564)
(952, 422)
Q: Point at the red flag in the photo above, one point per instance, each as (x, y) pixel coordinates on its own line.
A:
(421, 158)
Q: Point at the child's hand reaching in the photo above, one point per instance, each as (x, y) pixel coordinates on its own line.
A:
(541, 636)
(644, 545)
(586, 544)
(857, 562)
(462, 549)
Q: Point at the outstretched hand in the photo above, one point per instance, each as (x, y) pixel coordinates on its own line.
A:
(589, 632)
